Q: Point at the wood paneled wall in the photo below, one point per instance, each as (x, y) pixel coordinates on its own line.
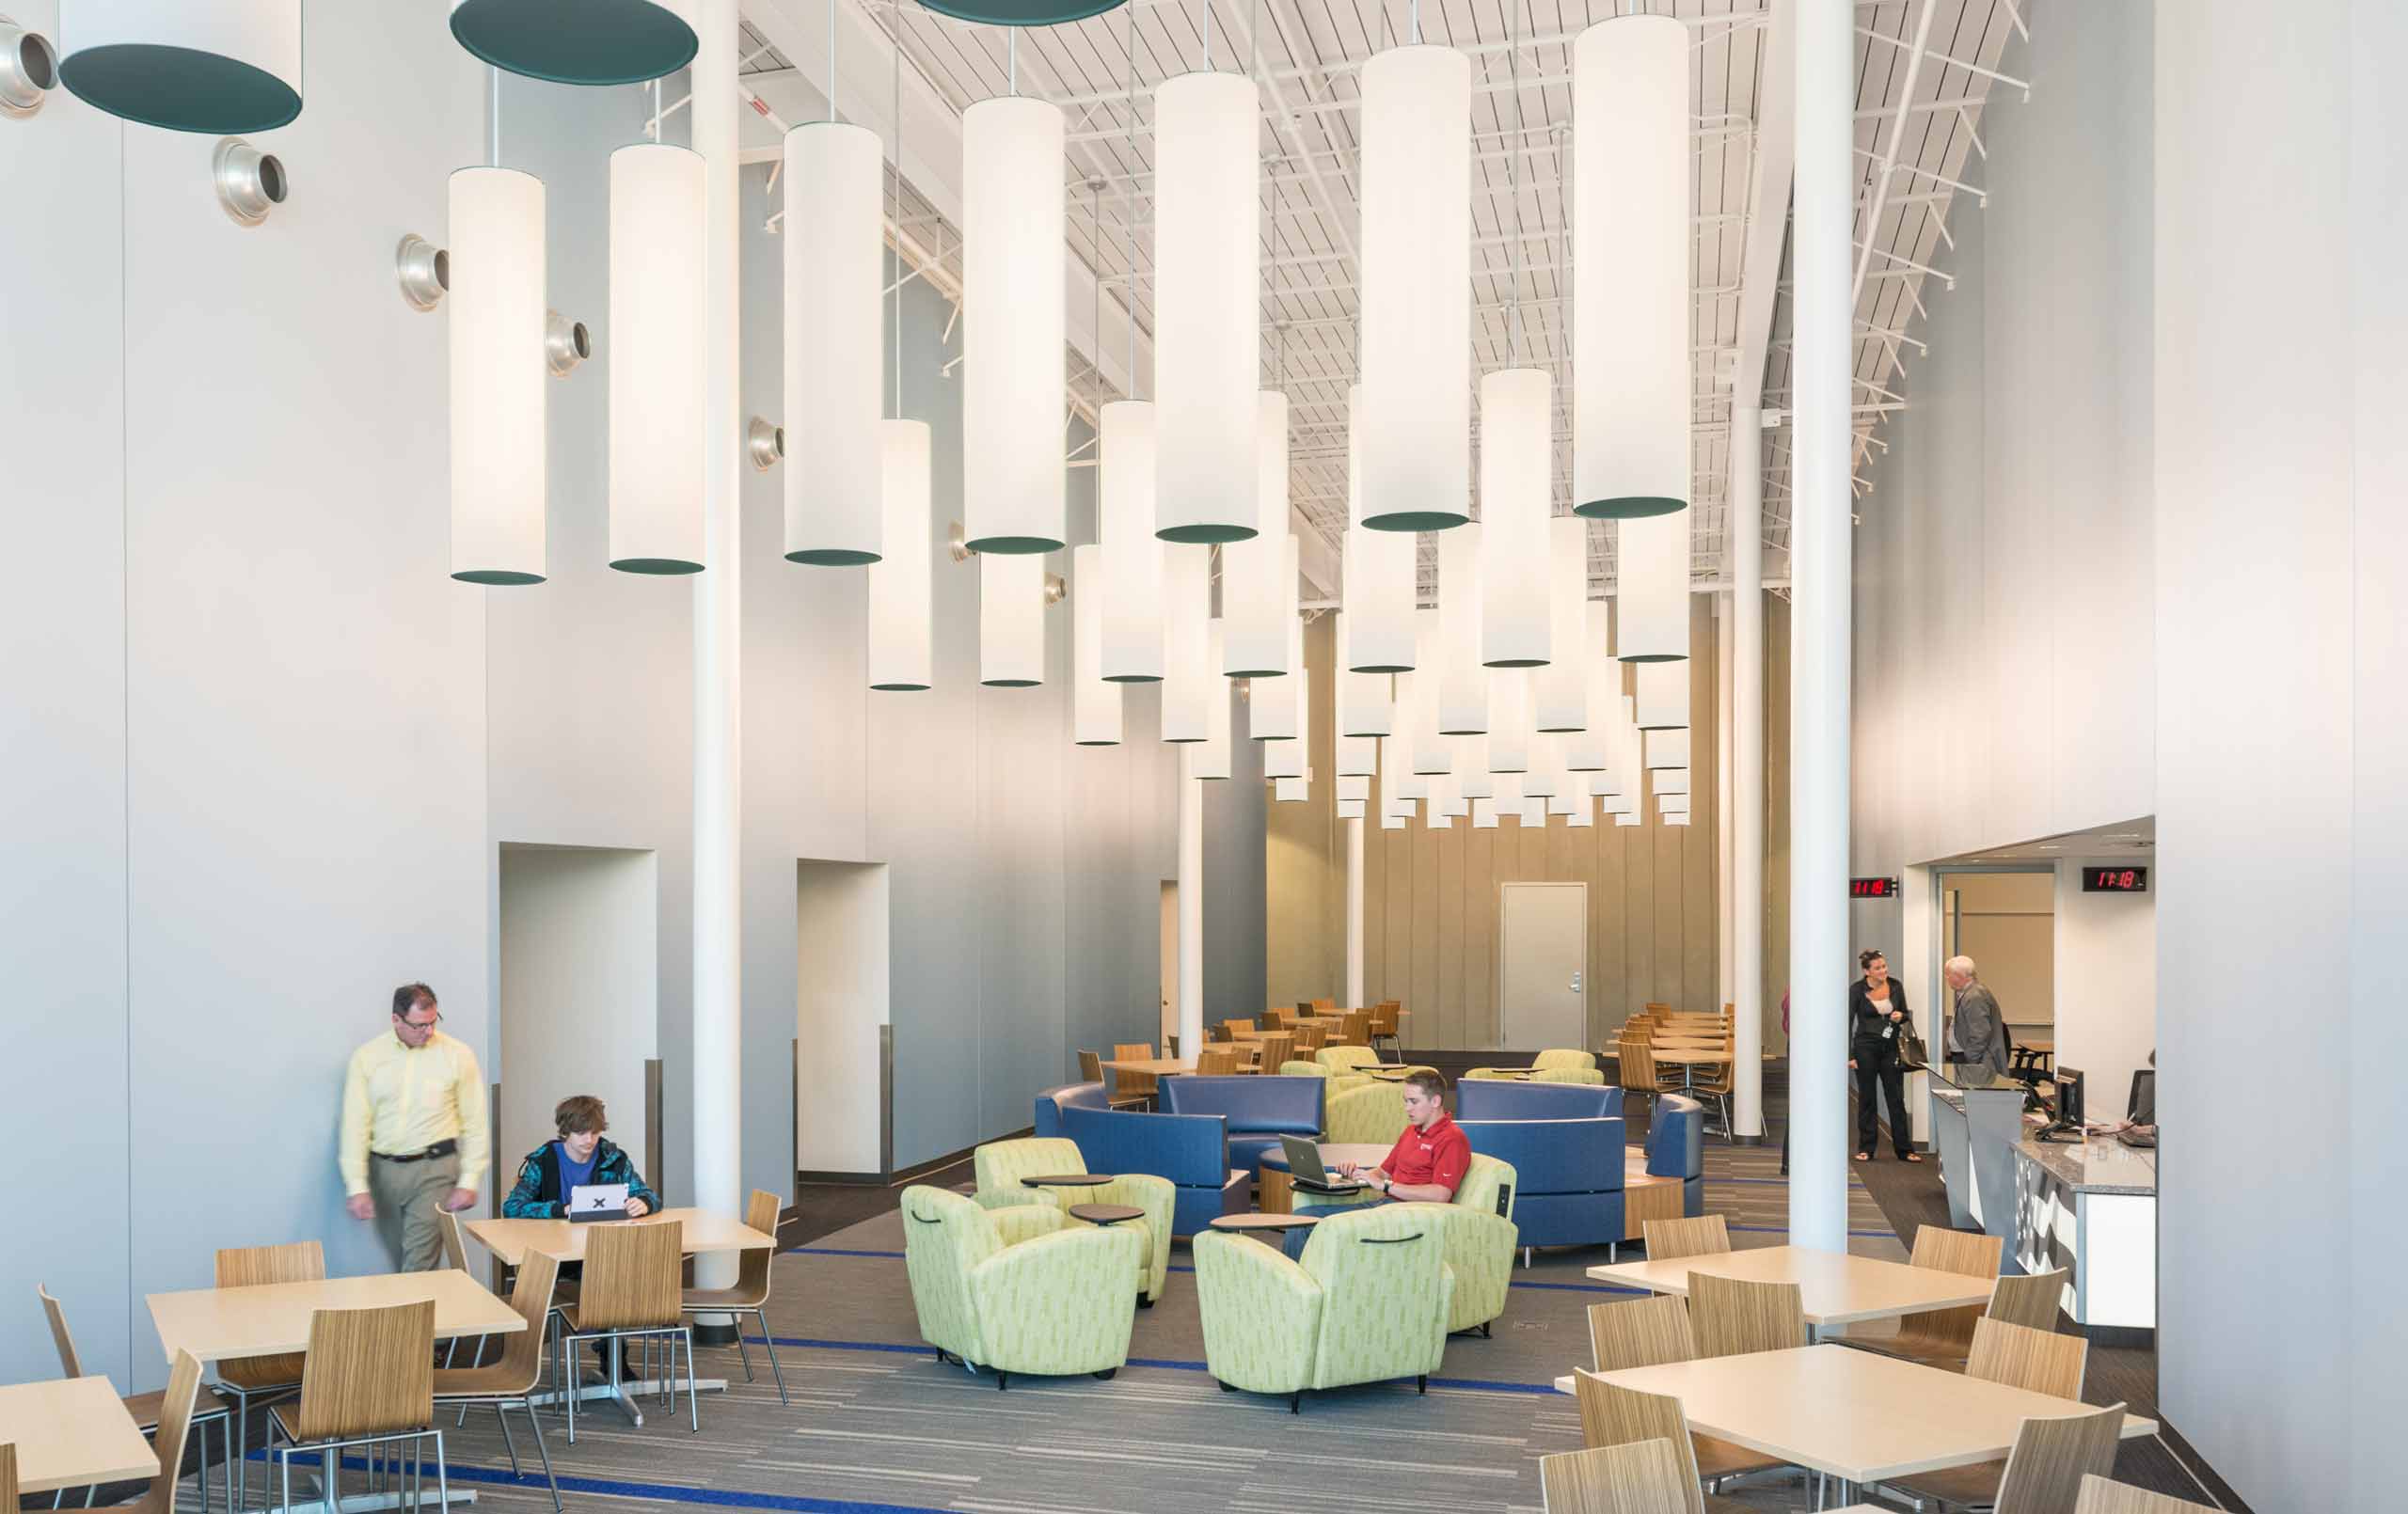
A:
(1431, 896)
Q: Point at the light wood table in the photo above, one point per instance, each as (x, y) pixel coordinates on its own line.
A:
(1158, 1066)
(704, 1233)
(1275, 1193)
(1837, 1289)
(1852, 1415)
(273, 1319)
(73, 1432)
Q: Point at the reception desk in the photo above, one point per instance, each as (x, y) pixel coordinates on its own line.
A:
(1976, 1122)
(2091, 1209)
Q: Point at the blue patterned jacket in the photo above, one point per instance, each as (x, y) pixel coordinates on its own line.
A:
(539, 1196)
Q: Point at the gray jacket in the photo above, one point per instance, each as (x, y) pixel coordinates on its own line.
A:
(1981, 1030)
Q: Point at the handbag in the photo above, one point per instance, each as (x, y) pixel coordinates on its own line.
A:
(1911, 1051)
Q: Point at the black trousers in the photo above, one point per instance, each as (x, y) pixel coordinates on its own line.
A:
(1877, 1067)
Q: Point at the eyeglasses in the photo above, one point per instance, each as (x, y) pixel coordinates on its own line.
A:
(427, 1024)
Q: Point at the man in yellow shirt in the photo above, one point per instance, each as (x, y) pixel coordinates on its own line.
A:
(413, 1136)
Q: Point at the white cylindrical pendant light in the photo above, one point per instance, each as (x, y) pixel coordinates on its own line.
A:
(1543, 777)
(1208, 344)
(657, 322)
(1354, 786)
(1012, 324)
(1380, 572)
(1662, 695)
(1189, 677)
(833, 244)
(1652, 588)
(1012, 620)
(1509, 720)
(1290, 791)
(1472, 777)
(496, 241)
(1668, 780)
(899, 652)
(1631, 308)
(1667, 747)
(590, 42)
(1365, 706)
(1462, 683)
(1095, 706)
(1350, 809)
(1357, 756)
(1416, 299)
(219, 67)
(1293, 698)
(1253, 602)
(1534, 813)
(1272, 702)
(1560, 691)
(1591, 748)
(1516, 485)
(1212, 754)
(1418, 694)
(1132, 556)
(1483, 815)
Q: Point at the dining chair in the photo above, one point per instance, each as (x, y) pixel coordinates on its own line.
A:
(175, 1426)
(2051, 1457)
(2031, 1299)
(1311, 1037)
(1639, 1074)
(455, 1256)
(629, 1292)
(1732, 1317)
(2101, 1496)
(1239, 1025)
(1133, 1087)
(261, 1379)
(1217, 1062)
(1325, 1006)
(1644, 1477)
(750, 1294)
(9, 1504)
(1278, 1047)
(1356, 1027)
(1091, 1071)
(1637, 1332)
(145, 1407)
(1703, 1235)
(2033, 1360)
(1384, 1029)
(1943, 1337)
(1217, 1034)
(511, 1381)
(369, 1382)
(1611, 1414)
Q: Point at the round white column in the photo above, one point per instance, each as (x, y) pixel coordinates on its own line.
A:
(1746, 627)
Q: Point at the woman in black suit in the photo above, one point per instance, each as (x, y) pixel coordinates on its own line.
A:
(1876, 1015)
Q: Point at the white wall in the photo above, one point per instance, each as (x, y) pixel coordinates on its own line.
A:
(579, 1003)
(2282, 771)
(2106, 985)
(841, 1006)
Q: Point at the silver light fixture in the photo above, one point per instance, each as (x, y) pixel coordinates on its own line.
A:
(423, 270)
(566, 343)
(28, 69)
(765, 442)
(250, 182)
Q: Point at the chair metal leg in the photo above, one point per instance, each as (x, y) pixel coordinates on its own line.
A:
(284, 1463)
(330, 1478)
(233, 1454)
(569, 1386)
(442, 1475)
(770, 1347)
(693, 1399)
(203, 1439)
(242, 1446)
(509, 1441)
(744, 1356)
(546, 1456)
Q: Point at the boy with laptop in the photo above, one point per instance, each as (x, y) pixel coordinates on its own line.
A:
(550, 1177)
(1428, 1162)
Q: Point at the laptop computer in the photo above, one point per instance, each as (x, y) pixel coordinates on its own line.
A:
(598, 1201)
(1307, 1170)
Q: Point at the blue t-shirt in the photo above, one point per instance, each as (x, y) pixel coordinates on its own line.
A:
(573, 1173)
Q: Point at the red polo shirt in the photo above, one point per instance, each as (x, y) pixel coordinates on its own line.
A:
(1440, 1155)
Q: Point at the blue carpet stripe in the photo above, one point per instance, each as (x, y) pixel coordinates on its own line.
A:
(1168, 1364)
(657, 1492)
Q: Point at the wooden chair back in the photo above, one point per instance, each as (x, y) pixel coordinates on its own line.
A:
(531, 1299)
(1732, 1317)
(1090, 1067)
(69, 1365)
(1615, 1415)
(2030, 1301)
(1281, 1015)
(2050, 1458)
(1639, 1332)
(1705, 1235)
(1643, 1478)
(1325, 1006)
(1132, 1084)
(9, 1500)
(1242, 1022)
(1384, 1019)
(244, 1266)
(1278, 1047)
(2038, 1361)
(631, 1277)
(174, 1429)
(1651, 1007)
(1638, 1067)
(1216, 1061)
(761, 1213)
(455, 1241)
(368, 1372)
(1310, 1038)
(1356, 1027)
(1217, 1034)
(1938, 1332)
(2101, 1496)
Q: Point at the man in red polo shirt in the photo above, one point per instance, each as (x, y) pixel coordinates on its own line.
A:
(1428, 1160)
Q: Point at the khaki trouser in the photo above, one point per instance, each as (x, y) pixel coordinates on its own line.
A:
(410, 1200)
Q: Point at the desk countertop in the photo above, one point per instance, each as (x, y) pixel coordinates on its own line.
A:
(2100, 1165)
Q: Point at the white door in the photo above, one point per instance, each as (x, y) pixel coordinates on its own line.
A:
(1541, 957)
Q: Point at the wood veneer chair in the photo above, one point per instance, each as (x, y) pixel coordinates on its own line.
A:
(1239, 1023)
(1703, 1235)
(2030, 1301)
(1278, 1047)
(175, 1426)
(1384, 1027)
(1313, 1037)
(1091, 1071)
(509, 1382)
(629, 1292)
(1356, 1027)
(1610, 1414)
(1943, 1337)
(2034, 1360)
(1133, 1087)
(262, 1380)
(369, 1381)
(1281, 1015)
(1732, 1317)
(1644, 1477)
(1637, 1332)
(1325, 1006)
(2101, 1496)
(9, 1500)
(2052, 1458)
(750, 1294)
(145, 1408)
(1217, 1062)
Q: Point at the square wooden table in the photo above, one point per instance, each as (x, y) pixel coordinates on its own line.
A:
(1159, 1066)
(703, 1232)
(273, 1319)
(1837, 1289)
(1853, 1416)
(73, 1432)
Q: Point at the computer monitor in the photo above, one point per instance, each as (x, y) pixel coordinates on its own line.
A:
(2141, 1109)
(2069, 1110)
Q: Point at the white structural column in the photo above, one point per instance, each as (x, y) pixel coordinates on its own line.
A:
(1746, 637)
(1723, 960)
(1819, 725)
(1191, 898)
(719, 625)
(1353, 911)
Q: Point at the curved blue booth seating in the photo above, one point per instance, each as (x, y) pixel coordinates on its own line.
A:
(1677, 1147)
(1569, 1174)
(1258, 1110)
(1191, 1150)
(1498, 1098)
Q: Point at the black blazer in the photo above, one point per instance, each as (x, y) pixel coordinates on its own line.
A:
(1866, 1019)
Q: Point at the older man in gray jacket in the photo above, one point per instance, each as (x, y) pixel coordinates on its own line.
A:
(1976, 1029)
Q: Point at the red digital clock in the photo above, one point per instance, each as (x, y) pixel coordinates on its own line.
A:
(1873, 888)
(2114, 880)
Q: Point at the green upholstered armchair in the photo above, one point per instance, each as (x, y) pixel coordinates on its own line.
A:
(1373, 1114)
(1561, 1058)
(1479, 1235)
(1567, 1075)
(1056, 1303)
(1338, 1058)
(1369, 1302)
(1157, 1196)
(1338, 1078)
(1490, 1072)
(1000, 1165)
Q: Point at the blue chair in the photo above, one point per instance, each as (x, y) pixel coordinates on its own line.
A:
(1258, 1110)
(1485, 1098)
(1570, 1173)
(1191, 1150)
(1051, 1102)
(1677, 1147)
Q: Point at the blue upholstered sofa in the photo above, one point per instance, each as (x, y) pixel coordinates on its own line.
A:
(1192, 1150)
(1569, 1174)
(1495, 1098)
(1677, 1147)
(1258, 1110)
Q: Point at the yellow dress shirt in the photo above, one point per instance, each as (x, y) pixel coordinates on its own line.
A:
(398, 1099)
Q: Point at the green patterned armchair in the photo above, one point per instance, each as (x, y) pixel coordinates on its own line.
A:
(1561, 1058)
(1372, 1114)
(1480, 1239)
(1157, 1196)
(1338, 1078)
(1369, 1302)
(1055, 1303)
(1339, 1058)
(1000, 1165)
(1568, 1075)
